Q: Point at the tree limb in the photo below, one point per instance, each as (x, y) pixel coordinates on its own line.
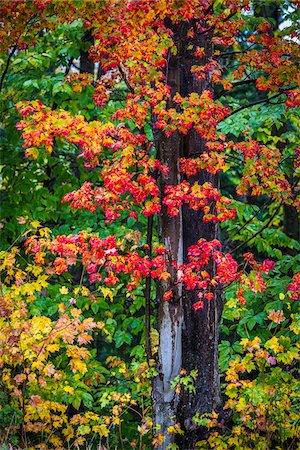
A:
(7, 66)
(259, 231)
(234, 85)
(266, 100)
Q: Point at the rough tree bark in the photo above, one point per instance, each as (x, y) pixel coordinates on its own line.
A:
(200, 328)
(86, 64)
(188, 339)
(170, 314)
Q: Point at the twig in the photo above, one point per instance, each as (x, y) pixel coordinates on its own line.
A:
(244, 225)
(259, 231)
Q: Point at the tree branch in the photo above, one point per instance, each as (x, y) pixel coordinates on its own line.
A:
(125, 79)
(7, 66)
(234, 85)
(245, 225)
(266, 100)
(259, 231)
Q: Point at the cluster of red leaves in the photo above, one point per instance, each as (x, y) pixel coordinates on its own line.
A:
(104, 86)
(126, 176)
(22, 20)
(212, 162)
(293, 98)
(254, 280)
(142, 32)
(205, 197)
(122, 187)
(195, 274)
(12, 28)
(111, 198)
(102, 259)
(294, 287)
(275, 59)
(199, 112)
(262, 174)
(79, 81)
(42, 126)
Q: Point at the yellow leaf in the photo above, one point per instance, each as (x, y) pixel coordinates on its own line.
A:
(75, 312)
(101, 429)
(273, 344)
(69, 389)
(233, 441)
(77, 365)
(45, 231)
(107, 292)
(84, 291)
(42, 281)
(35, 224)
(52, 348)
(36, 270)
(295, 325)
(32, 152)
(64, 290)
(61, 308)
(164, 276)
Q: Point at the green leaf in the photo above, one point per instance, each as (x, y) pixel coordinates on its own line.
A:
(76, 401)
(95, 307)
(87, 399)
(52, 310)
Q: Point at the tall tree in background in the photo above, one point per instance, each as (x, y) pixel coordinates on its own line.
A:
(182, 65)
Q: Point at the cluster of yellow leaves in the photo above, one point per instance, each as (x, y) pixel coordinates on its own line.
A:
(265, 406)
(45, 368)
(42, 360)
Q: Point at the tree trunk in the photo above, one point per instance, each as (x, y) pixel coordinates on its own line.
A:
(292, 223)
(200, 337)
(200, 328)
(188, 338)
(86, 64)
(170, 314)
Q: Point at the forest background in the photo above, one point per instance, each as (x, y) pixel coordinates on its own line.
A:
(87, 117)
